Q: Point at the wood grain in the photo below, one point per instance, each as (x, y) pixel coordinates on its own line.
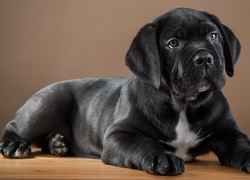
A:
(42, 166)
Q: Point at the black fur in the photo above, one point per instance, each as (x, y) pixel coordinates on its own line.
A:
(178, 62)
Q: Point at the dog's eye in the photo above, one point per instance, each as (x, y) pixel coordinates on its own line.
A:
(173, 43)
(212, 36)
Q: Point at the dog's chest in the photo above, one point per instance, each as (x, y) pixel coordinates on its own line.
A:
(185, 138)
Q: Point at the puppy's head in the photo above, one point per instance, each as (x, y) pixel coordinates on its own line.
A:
(186, 52)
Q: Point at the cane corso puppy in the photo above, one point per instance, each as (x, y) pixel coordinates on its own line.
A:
(168, 112)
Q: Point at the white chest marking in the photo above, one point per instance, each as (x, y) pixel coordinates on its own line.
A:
(185, 138)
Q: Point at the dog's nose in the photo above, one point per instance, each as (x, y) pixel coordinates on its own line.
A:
(203, 59)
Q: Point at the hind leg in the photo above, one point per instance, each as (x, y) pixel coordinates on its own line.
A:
(46, 112)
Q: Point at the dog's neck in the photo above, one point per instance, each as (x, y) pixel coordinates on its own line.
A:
(177, 104)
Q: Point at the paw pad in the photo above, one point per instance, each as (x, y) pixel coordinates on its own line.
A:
(58, 145)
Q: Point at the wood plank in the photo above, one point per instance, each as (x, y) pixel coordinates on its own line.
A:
(42, 166)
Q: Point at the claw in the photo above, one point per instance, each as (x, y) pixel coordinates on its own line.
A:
(151, 168)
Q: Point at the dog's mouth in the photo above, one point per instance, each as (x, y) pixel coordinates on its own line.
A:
(202, 90)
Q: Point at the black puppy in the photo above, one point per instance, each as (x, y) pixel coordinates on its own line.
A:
(170, 111)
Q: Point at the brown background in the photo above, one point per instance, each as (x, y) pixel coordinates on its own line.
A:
(45, 41)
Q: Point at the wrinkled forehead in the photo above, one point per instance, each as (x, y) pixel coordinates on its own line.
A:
(182, 14)
(185, 23)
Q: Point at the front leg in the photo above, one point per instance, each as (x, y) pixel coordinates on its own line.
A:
(140, 152)
(233, 149)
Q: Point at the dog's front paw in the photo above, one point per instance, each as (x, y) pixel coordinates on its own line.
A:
(246, 168)
(246, 164)
(240, 160)
(15, 148)
(58, 145)
(163, 164)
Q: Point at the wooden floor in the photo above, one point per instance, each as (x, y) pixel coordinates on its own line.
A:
(50, 167)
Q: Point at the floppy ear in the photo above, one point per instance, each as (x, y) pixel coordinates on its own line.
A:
(143, 57)
(231, 46)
